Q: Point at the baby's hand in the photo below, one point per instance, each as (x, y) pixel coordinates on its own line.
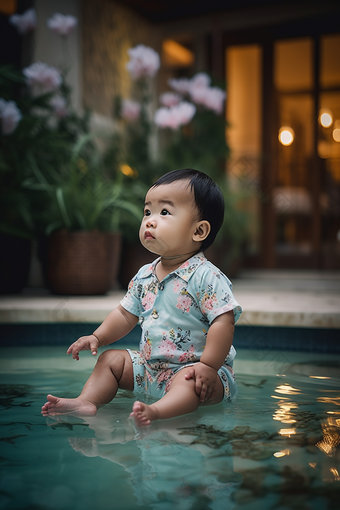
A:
(205, 378)
(84, 343)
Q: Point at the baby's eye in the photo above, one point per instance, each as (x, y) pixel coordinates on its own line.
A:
(164, 212)
(147, 212)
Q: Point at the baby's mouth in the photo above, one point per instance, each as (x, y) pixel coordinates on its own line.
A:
(148, 235)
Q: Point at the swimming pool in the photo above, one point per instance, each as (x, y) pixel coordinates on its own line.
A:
(277, 446)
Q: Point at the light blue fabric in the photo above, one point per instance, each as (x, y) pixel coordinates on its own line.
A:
(175, 315)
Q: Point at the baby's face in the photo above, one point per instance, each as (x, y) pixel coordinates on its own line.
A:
(170, 220)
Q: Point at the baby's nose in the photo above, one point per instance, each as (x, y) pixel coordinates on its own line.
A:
(150, 222)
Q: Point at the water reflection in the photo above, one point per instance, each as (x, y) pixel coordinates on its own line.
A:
(170, 464)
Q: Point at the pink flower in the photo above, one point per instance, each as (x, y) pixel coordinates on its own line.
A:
(146, 351)
(181, 85)
(167, 348)
(209, 303)
(47, 78)
(165, 375)
(201, 80)
(175, 116)
(10, 116)
(213, 99)
(130, 109)
(62, 25)
(169, 99)
(177, 286)
(184, 302)
(143, 61)
(187, 356)
(148, 300)
(25, 22)
(59, 106)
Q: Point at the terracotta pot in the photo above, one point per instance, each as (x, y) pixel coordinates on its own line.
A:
(82, 263)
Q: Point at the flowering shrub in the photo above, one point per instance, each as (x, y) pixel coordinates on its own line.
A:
(10, 116)
(45, 78)
(25, 22)
(144, 61)
(62, 25)
(130, 110)
(175, 116)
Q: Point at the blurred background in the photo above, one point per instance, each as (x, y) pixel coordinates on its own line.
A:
(78, 151)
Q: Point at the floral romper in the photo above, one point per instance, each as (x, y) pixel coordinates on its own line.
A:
(175, 315)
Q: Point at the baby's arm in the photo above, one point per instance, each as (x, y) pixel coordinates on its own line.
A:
(219, 341)
(116, 325)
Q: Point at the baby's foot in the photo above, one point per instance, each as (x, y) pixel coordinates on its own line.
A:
(143, 414)
(56, 406)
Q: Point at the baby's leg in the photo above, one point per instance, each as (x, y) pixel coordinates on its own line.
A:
(113, 370)
(180, 399)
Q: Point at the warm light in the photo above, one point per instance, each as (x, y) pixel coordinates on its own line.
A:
(326, 118)
(286, 389)
(282, 453)
(176, 54)
(312, 464)
(329, 400)
(128, 171)
(284, 414)
(336, 134)
(335, 472)
(318, 377)
(330, 441)
(324, 149)
(286, 136)
(287, 432)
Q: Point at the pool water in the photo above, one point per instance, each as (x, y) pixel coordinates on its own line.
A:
(277, 446)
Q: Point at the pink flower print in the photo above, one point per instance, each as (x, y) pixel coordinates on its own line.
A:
(208, 302)
(165, 375)
(167, 348)
(146, 350)
(188, 355)
(168, 384)
(177, 286)
(184, 302)
(148, 300)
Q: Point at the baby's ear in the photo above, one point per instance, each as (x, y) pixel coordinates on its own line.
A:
(202, 231)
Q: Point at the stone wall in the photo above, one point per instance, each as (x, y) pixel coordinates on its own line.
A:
(108, 31)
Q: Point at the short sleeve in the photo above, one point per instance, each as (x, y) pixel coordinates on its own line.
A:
(215, 295)
(132, 299)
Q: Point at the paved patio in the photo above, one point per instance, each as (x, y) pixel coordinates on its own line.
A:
(269, 298)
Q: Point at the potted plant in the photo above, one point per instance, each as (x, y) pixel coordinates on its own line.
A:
(84, 206)
(32, 129)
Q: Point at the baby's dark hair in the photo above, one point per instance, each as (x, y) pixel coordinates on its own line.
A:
(208, 198)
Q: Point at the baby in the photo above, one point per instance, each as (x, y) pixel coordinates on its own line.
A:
(184, 305)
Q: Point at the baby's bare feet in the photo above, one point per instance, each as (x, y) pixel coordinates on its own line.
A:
(143, 414)
(77, 406)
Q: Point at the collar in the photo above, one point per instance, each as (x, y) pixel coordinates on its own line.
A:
(185, 271)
